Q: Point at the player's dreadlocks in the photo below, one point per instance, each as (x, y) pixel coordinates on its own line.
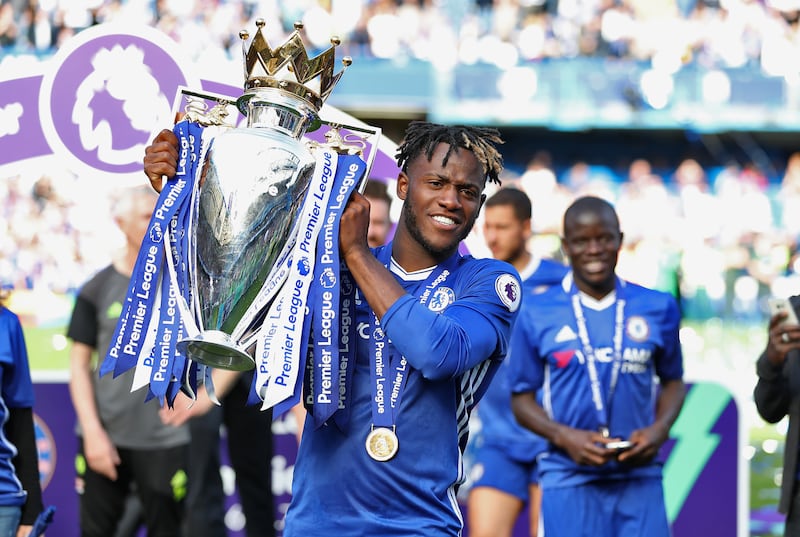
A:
(423, 137)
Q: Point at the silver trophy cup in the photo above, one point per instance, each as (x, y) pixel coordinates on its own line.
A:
(252, 187)
(253, 184)
(254, 181)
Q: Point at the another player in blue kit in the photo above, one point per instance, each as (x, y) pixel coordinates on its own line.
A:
(594, 347)
(20, 490)
(505, 473)
(432, 327)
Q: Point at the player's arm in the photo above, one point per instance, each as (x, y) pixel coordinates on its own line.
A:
(20, 432)
(584, 447)
(672, 392)
(100, 453)
(438, 345)
(377, 285)
(471, 330)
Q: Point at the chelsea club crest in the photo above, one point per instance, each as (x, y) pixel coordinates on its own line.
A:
(442, 297)
(637, 328)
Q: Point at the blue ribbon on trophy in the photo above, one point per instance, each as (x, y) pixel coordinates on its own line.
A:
(138, 332)
(347, 345)
(239, 230)
(281, 348)
(330, 371)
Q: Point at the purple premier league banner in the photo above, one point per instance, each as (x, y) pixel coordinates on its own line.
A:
(95, 106)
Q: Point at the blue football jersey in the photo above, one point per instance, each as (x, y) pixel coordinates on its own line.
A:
(546, 357)
(17, 392)
(454, 351)
(499, 427)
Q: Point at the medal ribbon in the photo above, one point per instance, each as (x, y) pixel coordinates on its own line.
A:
(603, 408)
(383, 353)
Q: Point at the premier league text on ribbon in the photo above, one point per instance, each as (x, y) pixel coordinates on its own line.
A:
(297, 299)
(327, 335)
(152, 266)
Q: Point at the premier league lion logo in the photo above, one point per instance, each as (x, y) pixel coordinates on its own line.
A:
(327, 279)
(508, 290)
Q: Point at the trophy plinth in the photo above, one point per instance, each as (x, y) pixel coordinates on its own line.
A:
(216, 349)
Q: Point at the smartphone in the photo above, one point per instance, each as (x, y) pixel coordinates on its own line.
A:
(621, 445)
(777, 305)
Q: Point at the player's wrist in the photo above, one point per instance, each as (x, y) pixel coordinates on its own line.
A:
(558, 436)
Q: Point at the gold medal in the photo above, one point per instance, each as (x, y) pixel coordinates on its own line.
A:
(382, 444)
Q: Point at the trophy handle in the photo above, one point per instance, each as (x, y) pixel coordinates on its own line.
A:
(353, 143)
(195, 106)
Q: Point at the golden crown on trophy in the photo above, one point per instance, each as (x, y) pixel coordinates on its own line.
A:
(288, 66)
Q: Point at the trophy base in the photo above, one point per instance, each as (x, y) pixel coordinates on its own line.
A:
(216, 349)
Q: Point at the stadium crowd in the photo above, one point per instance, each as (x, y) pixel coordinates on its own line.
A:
(672, 33)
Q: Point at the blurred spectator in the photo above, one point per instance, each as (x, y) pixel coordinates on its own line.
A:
(583, 180)
(380, 203)
(123, 446)
(548, 197)
(788, 197)
(644, 199)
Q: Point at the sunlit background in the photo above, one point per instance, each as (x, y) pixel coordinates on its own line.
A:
(683, 113)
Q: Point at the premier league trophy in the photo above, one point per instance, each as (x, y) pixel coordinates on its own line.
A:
(249, 228)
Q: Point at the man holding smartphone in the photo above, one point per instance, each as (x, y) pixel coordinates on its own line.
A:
(777, 394)
(593, 346)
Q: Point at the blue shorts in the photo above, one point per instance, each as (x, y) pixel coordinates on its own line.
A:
(606, 509)
(495, 469)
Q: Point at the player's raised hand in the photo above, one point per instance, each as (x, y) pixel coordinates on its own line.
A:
(161, 158)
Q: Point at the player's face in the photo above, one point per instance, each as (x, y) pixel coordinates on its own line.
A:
(592, 241)
(135, 221)
(504, 233)
(379, 222)
(441, 202)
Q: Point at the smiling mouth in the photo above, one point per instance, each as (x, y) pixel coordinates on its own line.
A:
(595, 267)
(444, 220)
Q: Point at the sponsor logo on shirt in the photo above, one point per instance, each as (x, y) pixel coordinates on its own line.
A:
(563, 358)
(636, 360)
